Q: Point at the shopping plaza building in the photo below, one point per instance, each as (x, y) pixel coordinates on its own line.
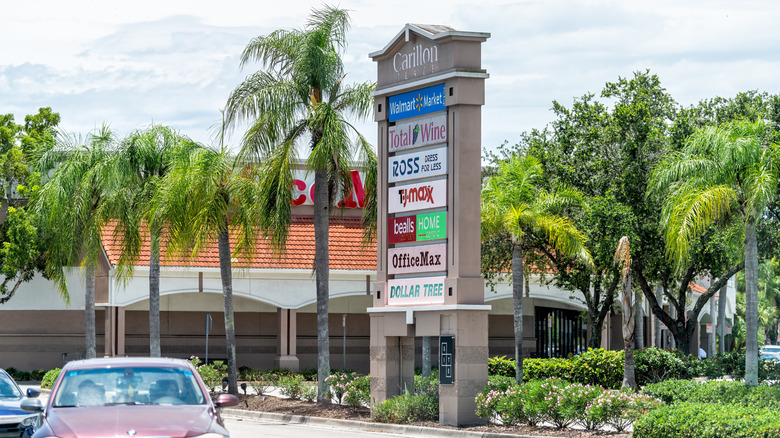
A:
(275, 307)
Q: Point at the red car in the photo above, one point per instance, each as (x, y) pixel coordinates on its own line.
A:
(130, 397)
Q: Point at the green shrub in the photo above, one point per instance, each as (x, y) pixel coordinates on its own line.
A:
(653, 365)
(49, 378)
(620, 409)
(309, 374)
(553, 368)
(671, 391)
(358, 392)
(262, 382)
(212, 374)
(703, 420)
(501, 366)
(598, 367)
(291, 386)
(38, 374)
(309, 391)
(338, 382)
(557, 405)
(407, 408)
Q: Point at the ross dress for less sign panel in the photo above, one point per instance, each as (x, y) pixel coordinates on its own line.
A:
(420, 196)
(417, 165)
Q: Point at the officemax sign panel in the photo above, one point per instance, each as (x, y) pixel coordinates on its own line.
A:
(416, 103)
(416, 228)
(416, 133)
(420, 196)
(414, 259)
(414, 291)
(417, 165)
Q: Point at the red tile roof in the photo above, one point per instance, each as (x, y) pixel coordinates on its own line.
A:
(346, 249)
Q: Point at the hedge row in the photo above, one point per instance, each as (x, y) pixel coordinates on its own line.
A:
(716, 392)
(707, 420)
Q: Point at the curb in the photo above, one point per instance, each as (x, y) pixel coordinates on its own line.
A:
(365, 426)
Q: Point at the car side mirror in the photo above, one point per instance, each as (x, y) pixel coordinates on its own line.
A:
(226, 400)
(33, 405)
(33, 393)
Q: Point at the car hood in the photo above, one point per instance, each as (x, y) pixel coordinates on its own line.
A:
(10, 410)
(131, 420)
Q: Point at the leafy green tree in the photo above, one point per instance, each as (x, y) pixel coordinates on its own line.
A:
(205, 197)
(143, 159)
(512, 202)
(21, 255)
(724, 174)
(72, 212)
(301, 96)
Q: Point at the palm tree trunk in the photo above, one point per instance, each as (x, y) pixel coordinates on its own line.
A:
(225, 271)
(154, 295)
(639, 324)
(751, 305)
(517, 296)
(656, 320)
(322, 274)
(426, 356)
(722, 318)
(711, 350)
(89, 313)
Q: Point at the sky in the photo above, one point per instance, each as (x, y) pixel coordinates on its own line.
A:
(132, 63)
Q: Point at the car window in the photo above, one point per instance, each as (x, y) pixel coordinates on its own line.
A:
(131, 385)
(7, 387)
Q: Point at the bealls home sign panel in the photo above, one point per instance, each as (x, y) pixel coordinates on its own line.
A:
(415, 228)
(420, 196)
(423, 164)
(414, 291)
(416, 133)
(416, 103)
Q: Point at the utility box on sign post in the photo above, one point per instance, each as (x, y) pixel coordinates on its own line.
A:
(446, 359)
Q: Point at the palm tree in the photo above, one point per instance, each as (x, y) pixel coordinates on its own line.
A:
(723, 174)
(143, 160)
(623, 259)
(512, 202)
(301, 97)
(72, 211)
(205, 196)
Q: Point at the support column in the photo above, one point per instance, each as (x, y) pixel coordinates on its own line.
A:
(391, 356)
(456, 402)
(286, 339)
(114, 331)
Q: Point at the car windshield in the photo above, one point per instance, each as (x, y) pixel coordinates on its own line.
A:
(128, 386)
(8, 388)
(771, 349)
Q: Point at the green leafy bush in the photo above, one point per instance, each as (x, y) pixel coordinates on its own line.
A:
(721, 392)
(598, 367)
(704, 420)
(309, 391)
(309, 374)
(49, 378)
(261, 381)
(338, 384)
(501, 366)
(212, 374)
(292, 386)
(653, 365)
(358, 392)
(421, 404)
(38, 374)
(553, 368)
(620, 409)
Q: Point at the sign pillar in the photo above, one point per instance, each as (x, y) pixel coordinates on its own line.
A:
(428, 100)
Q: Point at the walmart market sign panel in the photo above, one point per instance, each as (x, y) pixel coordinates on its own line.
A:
(414, 291)
(417, 103)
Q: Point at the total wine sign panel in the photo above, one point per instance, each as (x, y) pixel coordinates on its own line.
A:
(416, 133)
(420, 196)
(417, 165)
(414, 259)
(416, 228)
(412, 291)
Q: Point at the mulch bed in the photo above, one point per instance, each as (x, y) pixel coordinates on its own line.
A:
(281, 405)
